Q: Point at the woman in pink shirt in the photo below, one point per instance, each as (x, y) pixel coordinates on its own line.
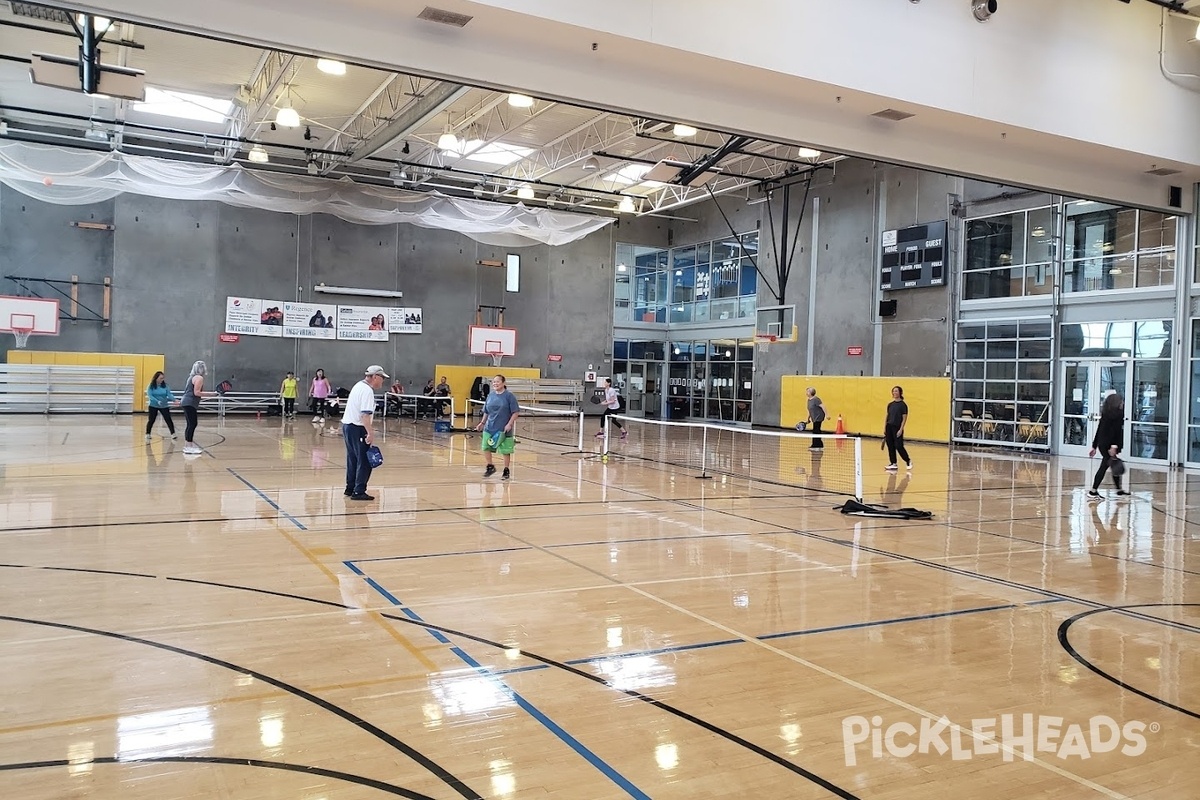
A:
(319, 392)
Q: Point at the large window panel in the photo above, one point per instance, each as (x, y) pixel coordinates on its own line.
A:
(1002, 396)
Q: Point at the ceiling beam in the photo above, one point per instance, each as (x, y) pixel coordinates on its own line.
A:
(432, 103)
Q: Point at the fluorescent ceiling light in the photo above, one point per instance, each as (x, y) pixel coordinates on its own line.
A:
(499, 153)
(258, 155)
(520, 100)
(525, 193)
(448, 143)
(320, 287)
(287, 117)
(183, 105)
(684, 131)
(808, 152)
(626, 206)
(331, 67)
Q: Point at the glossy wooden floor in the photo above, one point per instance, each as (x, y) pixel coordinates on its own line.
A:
(229, 626)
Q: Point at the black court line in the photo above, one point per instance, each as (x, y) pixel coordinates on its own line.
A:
(345, 777)
(1000, 581)
(1064, 639)
(429, 764)
(632, 693)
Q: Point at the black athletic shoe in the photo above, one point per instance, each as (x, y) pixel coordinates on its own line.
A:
(348, 492)
(506, 475)
(363, 496)
(1122, 493)
(489, 471)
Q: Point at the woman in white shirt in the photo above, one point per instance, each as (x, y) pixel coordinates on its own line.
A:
(612, 405)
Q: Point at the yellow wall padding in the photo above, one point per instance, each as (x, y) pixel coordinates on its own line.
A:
(862, 402)
(144, 365)
(461, 378)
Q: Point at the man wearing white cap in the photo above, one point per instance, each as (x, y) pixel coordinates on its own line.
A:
(358, 432)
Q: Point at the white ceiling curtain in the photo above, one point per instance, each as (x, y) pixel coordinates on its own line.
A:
(78, 177)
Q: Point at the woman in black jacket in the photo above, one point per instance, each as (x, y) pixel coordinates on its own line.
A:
(1110, 436)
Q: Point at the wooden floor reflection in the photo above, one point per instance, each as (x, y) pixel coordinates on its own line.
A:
(230, 626)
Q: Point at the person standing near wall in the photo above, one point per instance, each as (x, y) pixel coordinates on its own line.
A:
(893, 428)
(193, 393)
(319, 391)
(816, 415)
(500, 413)
(161, 397)
(612, 405)
(1109, 439)
(358, 431)
(287, 393)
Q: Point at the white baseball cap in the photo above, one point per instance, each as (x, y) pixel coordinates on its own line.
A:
(375, 369)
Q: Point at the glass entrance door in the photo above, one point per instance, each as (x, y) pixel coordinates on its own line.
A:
(1085, 384)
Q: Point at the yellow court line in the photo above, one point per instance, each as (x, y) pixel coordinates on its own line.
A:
(38, 726)
(375, 615)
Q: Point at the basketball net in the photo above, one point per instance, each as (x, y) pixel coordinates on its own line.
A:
(496, 357)
(22, 336)
(765, 340)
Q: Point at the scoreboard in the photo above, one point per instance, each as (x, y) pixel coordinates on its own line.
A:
(914, 257)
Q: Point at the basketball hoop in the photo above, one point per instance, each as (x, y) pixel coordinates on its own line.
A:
(496, 352)
(764, 340)
(22, 336)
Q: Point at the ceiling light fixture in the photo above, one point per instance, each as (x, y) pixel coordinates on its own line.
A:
(331, 67)
(520, 100)
(287, 116)
(448, 142)
(258, 155)
(591, 164)
(684, 131)
(99, 24)
(626, 206)
(525, 193)
(983, 9)
(808, 152)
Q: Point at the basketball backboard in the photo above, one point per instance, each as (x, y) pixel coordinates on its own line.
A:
(486, 341)
(777, 321)
(35, 314)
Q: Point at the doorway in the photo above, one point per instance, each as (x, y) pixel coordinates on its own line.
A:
(1085, 383)
(642, 389)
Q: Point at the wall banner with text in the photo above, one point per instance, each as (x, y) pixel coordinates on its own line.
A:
(362, 323)
(309, 321)
(253, 316)
(404, 320)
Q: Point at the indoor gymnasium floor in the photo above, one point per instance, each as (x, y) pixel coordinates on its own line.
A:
(230, 626)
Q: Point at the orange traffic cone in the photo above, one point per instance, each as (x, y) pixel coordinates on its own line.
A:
(841, 428)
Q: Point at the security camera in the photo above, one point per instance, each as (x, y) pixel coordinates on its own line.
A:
(983, 9)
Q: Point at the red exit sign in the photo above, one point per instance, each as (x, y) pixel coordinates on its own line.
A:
(854, 350)
(554, 357)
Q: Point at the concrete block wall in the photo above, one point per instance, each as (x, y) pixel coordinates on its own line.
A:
(173, 263)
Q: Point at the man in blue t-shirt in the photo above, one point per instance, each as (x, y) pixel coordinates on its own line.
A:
(500, 413)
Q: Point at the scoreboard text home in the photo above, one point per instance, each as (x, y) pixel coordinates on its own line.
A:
(914, 257)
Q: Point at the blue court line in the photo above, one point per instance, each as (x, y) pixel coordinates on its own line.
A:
(525, 705)
(268, 500)
(786, 634)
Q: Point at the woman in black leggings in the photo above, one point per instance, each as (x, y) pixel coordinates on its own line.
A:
(193, 393)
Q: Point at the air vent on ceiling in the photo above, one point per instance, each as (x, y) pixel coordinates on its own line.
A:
(36, 11)
(1162, 171)
(892, 114)
(443, 17)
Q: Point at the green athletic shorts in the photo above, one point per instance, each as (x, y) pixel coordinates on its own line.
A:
(500, 442)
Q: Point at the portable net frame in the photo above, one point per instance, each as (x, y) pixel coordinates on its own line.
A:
(560, 427)
(828, 463)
